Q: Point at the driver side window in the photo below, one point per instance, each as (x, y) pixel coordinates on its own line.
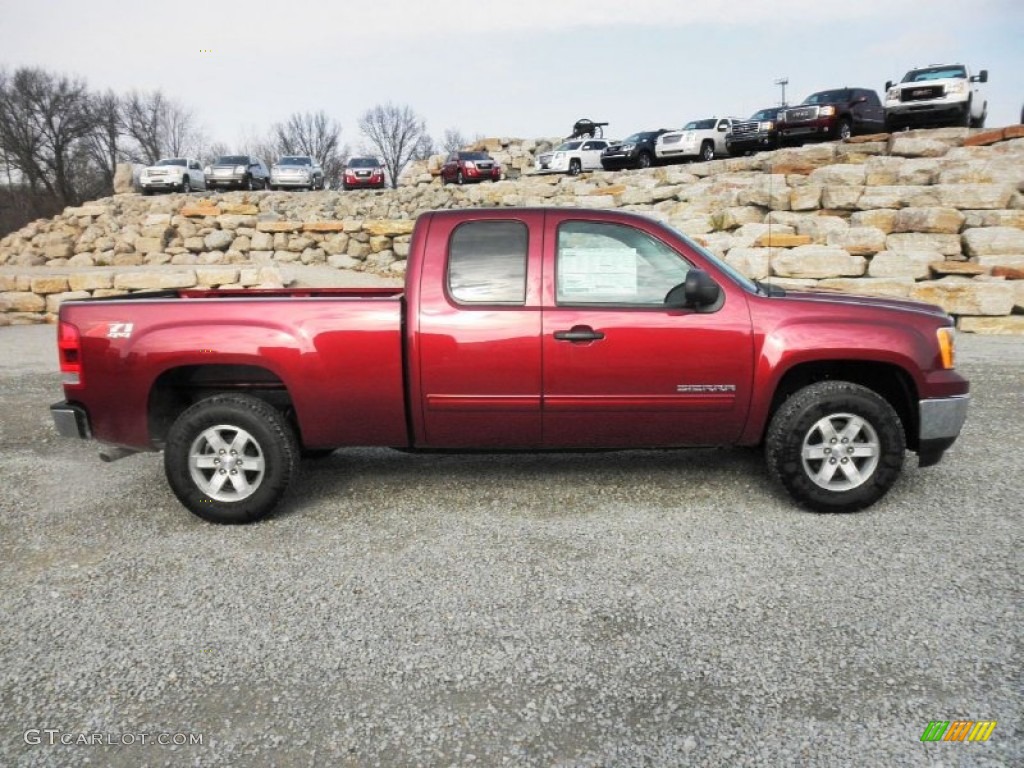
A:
(599, 263)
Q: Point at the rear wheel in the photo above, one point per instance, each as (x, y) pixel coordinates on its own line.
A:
(835, 446)
(707, 151)
(230, 458)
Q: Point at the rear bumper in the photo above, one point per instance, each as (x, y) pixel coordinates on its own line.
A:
(70, 420)
(941, 420)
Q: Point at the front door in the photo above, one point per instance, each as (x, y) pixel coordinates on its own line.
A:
(620, 368)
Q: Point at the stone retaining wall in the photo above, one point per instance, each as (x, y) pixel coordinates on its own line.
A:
(931, 215)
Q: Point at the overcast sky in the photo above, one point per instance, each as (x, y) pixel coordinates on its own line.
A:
(524, 68)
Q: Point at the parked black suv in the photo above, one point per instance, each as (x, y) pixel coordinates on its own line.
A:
(836, 114)
(761, 131)
(636, 151)
(240, 171)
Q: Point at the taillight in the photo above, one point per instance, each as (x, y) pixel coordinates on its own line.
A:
(69, 348)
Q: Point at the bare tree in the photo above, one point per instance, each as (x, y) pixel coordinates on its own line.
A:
(103, 143)
(396, 132)
(158, 127)
(453, 140)
(316, 134)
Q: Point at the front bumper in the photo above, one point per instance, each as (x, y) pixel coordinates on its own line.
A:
(70, 420)
(925, 113)
(822, 126)
(749, 141)
(290, 181)
(941, 420)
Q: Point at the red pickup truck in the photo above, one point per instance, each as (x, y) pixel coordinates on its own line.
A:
(517, 329)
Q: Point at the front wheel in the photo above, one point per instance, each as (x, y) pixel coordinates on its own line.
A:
(844, 130)
(230, 458)
(835, 446)
(644, 160)
(707, 151)
(575, 168)
(186, 185)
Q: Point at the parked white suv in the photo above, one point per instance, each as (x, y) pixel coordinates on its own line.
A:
(936, 95)
(573, 157)
(698, 138)
(173, 173)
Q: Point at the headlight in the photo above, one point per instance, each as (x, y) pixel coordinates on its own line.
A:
(960, 86)
(239, 169)
(893, 94)
(628, 147)
(826, 111)
(765, 126)
(947, 342)
(206, 169)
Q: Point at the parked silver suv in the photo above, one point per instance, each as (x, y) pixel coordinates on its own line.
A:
(297, 171)
(239, 171)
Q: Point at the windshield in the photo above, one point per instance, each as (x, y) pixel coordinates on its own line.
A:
(766, 114)
(294, 161)
(934, 73)
(743, 281)
(173, 161)
(233, 160)
(568, 146)
(700, 125)
(362, 162)
(473, 156)
(828, 97)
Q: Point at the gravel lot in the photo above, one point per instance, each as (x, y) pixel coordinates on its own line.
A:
(573, 610)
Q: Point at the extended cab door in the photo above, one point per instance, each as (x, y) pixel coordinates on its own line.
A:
(620, 368)
(477, 346)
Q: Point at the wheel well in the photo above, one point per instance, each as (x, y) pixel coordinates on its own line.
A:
(890, 381)
(179, 388)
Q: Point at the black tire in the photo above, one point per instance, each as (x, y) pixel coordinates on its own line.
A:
(186, 185)
(844, 129)
(707, 151)
(875, 444)
(260, 432)
(644, 160)
(459, 179)
(965, 118)
(247, 184)
(575, 167)
(316, 453)
(146, 192)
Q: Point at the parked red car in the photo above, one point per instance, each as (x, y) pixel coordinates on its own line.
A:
(464, 166)
(544, 329)
(363, 173)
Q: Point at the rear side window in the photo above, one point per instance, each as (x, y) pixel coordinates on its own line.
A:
(487, 263)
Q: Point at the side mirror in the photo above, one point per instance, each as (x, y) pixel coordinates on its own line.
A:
(983, 76)
(888, 84)
(698, 290)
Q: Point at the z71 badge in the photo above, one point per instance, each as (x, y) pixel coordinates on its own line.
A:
(120, 330)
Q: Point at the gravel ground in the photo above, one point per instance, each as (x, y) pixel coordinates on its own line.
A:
(620, 609)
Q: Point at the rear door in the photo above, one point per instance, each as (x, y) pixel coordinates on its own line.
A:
(590, 153)
(478, 346)
(620, 368)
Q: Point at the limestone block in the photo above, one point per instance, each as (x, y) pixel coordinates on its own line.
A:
(737, 216)
(149, 244)
(864, 241)
(22, 301)
(818, 228)
(90, 281)
(279, 226)
(881, 218)
(358, 250)
(380, 243)
(351, 226)
(81, 260)
(15, 283)
(993, 241)
(49, 284)
(998, 326)
(218, 240)
(269, 275)
(1013, 218)
(1011, 260)
(241, 243)
(776, 239)
(313, 256)
(388, 227)
(964, 268)
(841, 197)
(178, 259)
(848, 175)
(100, 293)
(58, 251)
(336, 244)
(960, 296)
(896, 196)
(752, 262)
(214, 276)
(343, 261)
(198, 210)
(908, 264)
(947, 245)
(157, 220)
(868, 286)
(233, 221)
(912, 146)
(324, 226)
(817, 261)
(299, 244)
(974, 196)
(935, 220)
(240, 209)
(805, 198)
(768, 191)
(286, 257)
(54, 300)
(163, 279)
(261, 241)
(127, 259)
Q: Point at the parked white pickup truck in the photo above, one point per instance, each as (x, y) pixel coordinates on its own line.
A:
(182, 174)
(699, 138)
(936, 95)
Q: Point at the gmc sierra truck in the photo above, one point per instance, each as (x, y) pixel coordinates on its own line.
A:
(936, 95)
(517, 329)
